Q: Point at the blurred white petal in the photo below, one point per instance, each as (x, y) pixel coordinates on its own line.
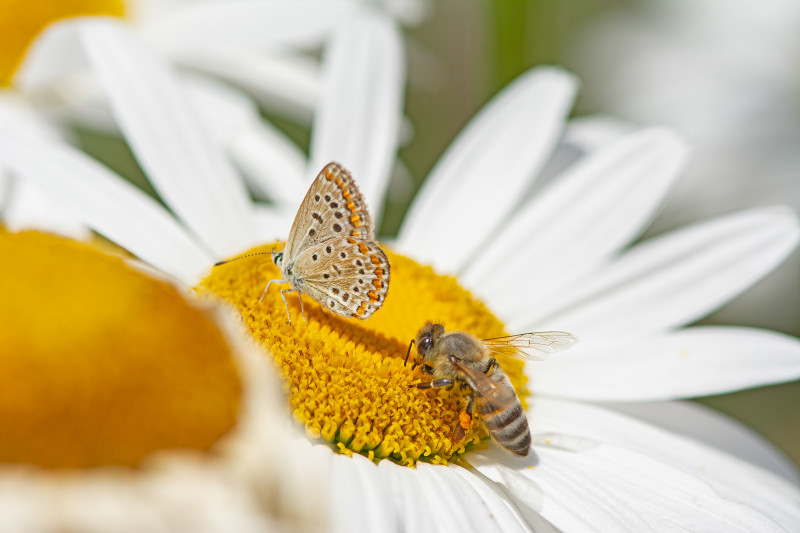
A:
(574, 226)
(674, 279)
(480, 178)
(27, 207)
(284, 84)
(698, 361)
(107, 204)
(273, 166)
(192, 177)
(358, 120)
(273, 24)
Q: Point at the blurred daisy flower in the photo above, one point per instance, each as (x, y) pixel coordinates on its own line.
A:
(727, 74)
(547, 258)
(127, 406)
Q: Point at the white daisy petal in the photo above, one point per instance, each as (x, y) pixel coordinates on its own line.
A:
(695, 421)
(582, 136)
(568, 230)
(54, 54)
(500, 505)
(731, 477)
(460, 507)
(358, 120)
(273, 166)
(360, 499)
(169, 141)
(483, 173)
(109, 205)
(691, 362)
(611, 489)
(254, 24)
(273, 224)
(28, 208)
(285, 85)
(674, 279)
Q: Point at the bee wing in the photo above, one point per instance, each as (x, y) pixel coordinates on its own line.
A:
(531, 346)
(491, 391)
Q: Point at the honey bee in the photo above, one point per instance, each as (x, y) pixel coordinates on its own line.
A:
(460, 358)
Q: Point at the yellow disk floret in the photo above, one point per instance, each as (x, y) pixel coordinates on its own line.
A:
(346, 379)
(102, 365)
(22, 20)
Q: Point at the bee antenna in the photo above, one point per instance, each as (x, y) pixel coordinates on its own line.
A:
(218, 263)
(410, 344)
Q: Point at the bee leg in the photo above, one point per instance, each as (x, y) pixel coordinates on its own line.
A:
(492, 363)
(427, 369)
(464, 424)
(435, 384)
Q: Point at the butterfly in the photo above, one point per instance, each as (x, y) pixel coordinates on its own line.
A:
(331, 254)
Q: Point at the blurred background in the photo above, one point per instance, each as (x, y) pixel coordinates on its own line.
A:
(725, 73)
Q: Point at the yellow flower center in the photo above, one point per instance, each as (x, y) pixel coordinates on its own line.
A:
(346, 379)
(21, 21)
(102, 365)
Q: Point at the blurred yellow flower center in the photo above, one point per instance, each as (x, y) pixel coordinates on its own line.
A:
(102, 365)
(345, 377)
(21, 21)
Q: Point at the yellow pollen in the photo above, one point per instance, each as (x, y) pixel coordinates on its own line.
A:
(102, 365)
(346, 379)
(21, 21)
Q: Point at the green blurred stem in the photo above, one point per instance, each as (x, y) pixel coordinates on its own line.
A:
(508, 19)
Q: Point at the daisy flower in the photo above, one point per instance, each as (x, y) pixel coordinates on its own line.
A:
(505, 258)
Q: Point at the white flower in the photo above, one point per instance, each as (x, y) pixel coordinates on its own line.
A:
(554, 258)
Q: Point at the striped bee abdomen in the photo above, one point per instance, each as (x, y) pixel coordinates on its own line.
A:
(507, 425)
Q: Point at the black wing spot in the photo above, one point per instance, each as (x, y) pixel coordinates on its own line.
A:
(315, 257)
(316, 197)
(343, 255)
(326, 276)
(327, 197)
(337, 227)
(329, 249)
(312, 232)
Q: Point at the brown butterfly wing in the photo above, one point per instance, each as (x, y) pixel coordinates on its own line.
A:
(332, 208)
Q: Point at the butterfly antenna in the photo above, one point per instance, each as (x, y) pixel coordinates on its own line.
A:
(218, 263)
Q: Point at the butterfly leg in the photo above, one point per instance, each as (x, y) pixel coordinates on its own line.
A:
(267, 287)
(286, 304)
(302, 311)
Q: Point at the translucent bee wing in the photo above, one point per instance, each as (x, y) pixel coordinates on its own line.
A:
(530, 346)
(491, 391)
(333, 207)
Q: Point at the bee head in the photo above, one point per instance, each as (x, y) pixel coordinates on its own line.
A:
(428, 336)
